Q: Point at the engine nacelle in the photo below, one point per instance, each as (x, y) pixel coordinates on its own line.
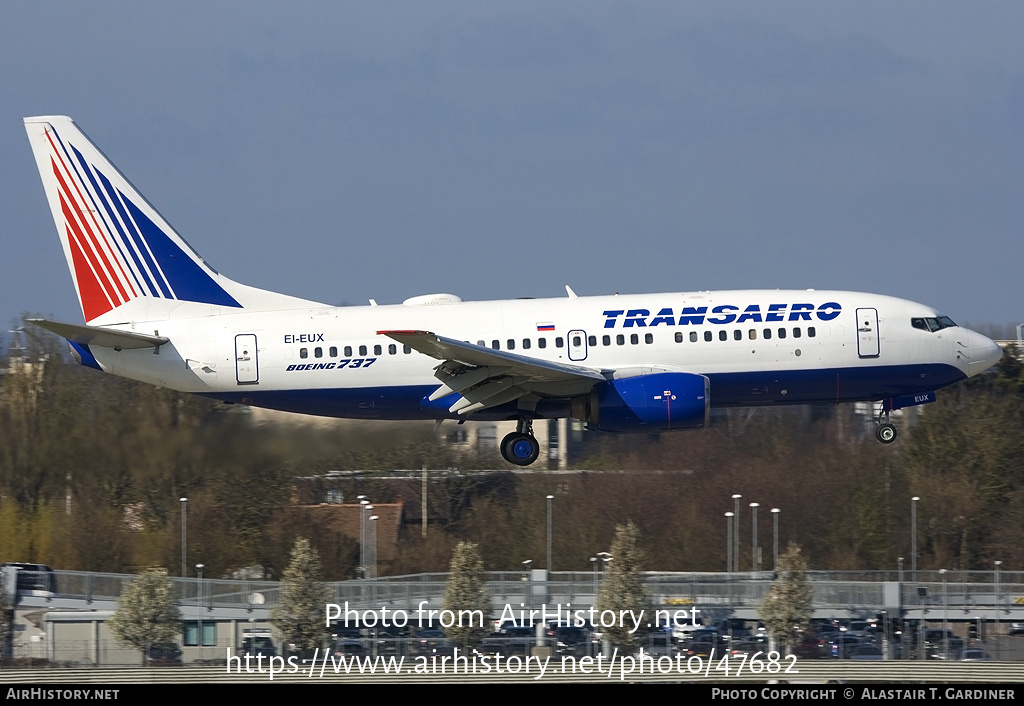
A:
(655, 401)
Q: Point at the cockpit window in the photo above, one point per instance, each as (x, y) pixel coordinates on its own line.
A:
(932, 324)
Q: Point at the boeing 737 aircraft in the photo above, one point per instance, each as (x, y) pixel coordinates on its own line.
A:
(157, 312)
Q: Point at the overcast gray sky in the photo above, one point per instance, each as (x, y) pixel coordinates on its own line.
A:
(344, 150)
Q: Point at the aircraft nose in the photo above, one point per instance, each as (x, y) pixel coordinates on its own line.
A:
(984, 353)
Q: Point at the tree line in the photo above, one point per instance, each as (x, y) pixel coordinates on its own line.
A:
(93, 467)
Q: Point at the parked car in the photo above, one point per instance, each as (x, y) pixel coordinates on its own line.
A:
(843, 646)
(344, 647)
(704, 648)
(568, 639)
(974, 654)
(867, 653)
(164, 654)
(492, 648)
(258, 645)
(428, 640)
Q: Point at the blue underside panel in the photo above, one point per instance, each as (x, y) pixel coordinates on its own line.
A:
(750, 389)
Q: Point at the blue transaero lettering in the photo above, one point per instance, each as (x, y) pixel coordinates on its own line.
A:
(721, 314)
(303, 338)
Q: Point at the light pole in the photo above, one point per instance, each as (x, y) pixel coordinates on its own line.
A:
(527, 579)
(999, 604)
(899, 564)
(728, 543)
(550, 498)
(184, 534)
(199, 609)
(601, 559)
(373, 545)
(775, 538)
(373, 555)
(364, 501)
(913, 536)
(753, 539)
(945, 616)
(736, 534)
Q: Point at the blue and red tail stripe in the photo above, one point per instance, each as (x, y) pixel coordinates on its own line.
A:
(118, 252)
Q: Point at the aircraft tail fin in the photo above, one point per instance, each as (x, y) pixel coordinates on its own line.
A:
(121, 252)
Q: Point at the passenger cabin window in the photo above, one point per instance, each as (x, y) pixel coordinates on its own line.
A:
(559, 342)
(767, 333)
(648, 338)
(333, 351)
(392, 349)
(592, 340)
(511, 344)
(495, 344)
(679, 336)
(796, 332)
(526, 344)
(362, 350)
(620, 340)
(303, 352)
(811, 332)
(606, 340)
(723, 335)
(738, 335)
(707, 336)
(693, 336)
(348, 351)
(634, 339)
(318, 352)
(752, 334)
(782, 333)
(407, 350)
(542, 343)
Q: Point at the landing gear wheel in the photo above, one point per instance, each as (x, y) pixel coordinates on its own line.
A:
(886, 433)
(520, 448)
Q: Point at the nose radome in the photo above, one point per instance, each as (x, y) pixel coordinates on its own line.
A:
(984, 353)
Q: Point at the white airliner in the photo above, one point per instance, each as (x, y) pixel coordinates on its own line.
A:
(156, 312)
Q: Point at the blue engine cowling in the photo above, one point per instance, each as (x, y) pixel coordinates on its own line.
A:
(657, 401)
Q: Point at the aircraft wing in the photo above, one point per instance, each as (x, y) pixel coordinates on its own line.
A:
(101, 335)
(484, 377)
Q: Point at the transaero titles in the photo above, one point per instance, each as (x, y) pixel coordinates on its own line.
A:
(721, 314)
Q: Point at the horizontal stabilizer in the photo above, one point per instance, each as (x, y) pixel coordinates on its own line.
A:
(101, 335)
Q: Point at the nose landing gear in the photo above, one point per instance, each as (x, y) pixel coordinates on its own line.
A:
(521, 447)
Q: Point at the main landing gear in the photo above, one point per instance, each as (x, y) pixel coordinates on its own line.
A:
(886, 432)
(521, 447)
